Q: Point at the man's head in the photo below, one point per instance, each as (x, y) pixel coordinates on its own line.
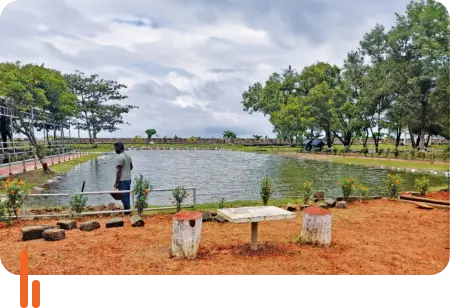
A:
(119, 147)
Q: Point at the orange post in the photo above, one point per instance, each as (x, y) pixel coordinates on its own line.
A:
(24, 278)
(36, 294)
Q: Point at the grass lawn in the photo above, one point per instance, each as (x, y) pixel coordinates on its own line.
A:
(376, 237)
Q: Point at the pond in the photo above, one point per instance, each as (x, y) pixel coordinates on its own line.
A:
(225, 174)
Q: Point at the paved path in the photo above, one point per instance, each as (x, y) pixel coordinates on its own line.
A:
(18, 168)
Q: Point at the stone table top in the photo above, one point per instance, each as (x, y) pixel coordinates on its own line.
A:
(254, 214)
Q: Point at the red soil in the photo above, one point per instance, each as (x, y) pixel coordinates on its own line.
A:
(377, 237)
(188, 216)
(439, 195)
(313, 210)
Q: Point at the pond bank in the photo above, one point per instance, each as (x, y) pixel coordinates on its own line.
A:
(36, 178)
(413, 165)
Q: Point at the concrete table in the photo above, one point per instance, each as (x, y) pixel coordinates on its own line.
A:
(254, 215)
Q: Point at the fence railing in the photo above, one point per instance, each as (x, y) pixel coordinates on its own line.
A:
(25, 214)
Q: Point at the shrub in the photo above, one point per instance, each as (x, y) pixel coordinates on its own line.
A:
(380, 152)
(77, 204)
(392, 184)
(347, 186)
(396, 152)
(412, 153)
(365, 150)
(307, 189)
(192, 140)
(362, 191)
(222, 203)
(421, 155)
(141, 190)
(179, 194)
(335, 150)
(16, 195)
(3, 219)
(266, 189)
(421, 184)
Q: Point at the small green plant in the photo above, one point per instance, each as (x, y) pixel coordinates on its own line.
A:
(347, 186)
(362, 191)
(141, 191)
(222, 203)
(421, 184)
(4, 220)
(380, 152)
(307, 190)
(365, 150)
(138, 139)
(266, 190)
(335, 150)
(392, 184)
(396, 152)
(192, 140)
(16, 195)
(413, 153)
(77, 205)
(179, 194)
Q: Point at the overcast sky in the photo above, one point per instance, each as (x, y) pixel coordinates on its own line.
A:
(186, 63)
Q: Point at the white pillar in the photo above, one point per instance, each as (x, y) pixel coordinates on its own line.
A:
(187, 227)
(316, 227)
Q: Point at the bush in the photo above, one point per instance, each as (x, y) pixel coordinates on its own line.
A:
(412, 153)
(380, 152)
(421, 184)
(365, 151)
(335, 150)
(179, 194)
(192, 140)
(3, 219)
(16, 195)
(347, 186)
(396, 152)
(222, 203)
(141, 190)
(362, 191)
(266, 189)
(392, 185)
(77, 204)
(307, 189)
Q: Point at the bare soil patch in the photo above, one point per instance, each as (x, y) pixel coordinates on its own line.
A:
(439, 195)
(375, 237)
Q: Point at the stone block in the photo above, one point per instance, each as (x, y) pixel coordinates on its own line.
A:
(114, 222)
(54, 234)
(67, 224)
(341, 205)
(291, 207)
(330, 202)
(90, 225)
(35, 232)
(136, 221)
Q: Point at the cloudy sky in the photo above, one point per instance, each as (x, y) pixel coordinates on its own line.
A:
(186, 63)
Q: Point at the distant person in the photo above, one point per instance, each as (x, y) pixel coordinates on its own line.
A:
(123, 176)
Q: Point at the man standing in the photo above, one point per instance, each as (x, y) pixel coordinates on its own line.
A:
(123, 176)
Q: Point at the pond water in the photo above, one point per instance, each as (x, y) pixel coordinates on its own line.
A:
(225, 174)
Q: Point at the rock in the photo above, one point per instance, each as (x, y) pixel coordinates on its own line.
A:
(213, 214)
(35, 232)
(425, 206)
(114, 222)
(304, 206)
(136, 221)
(341, 205)
(330, 202)
(90, 225)
(324, 205)
(291, 207)
(67, 224)
(220, 219)
(318, 195)
(206, 216)
(54, 234)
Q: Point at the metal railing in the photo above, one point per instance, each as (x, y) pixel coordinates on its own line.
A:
(132, 209)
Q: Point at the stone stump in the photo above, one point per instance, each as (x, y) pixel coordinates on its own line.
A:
(90, 225)
(114, 222)
(318, 196)
(35, 232)
(136, 221)
(54, 234)
(316, 226)
(291, 207)
(341, 205)
(187, 228)
(330, 202)
(67, 224)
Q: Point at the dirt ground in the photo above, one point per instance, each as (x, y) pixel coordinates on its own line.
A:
(377, 237)
(439, 195)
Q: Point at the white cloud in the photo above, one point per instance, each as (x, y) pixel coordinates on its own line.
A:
(186, 63)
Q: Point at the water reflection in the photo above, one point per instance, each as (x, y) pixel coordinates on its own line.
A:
(227, 174)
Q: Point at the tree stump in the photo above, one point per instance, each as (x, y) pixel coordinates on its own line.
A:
(136, 221)
(54, 234)
(316, 226)
(187, 228)
(90, 225)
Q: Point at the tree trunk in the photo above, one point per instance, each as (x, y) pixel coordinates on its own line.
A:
(187, 227)
(329, 138)
(367, 138)
(428, 140)
(316, 228)
(398, 137)
(422, 140)
(411, 137)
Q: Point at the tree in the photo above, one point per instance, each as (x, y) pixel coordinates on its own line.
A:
(96, 113)
(420, 51)
(150, 132)
(257, 137)
(229, 135)
(30, 91)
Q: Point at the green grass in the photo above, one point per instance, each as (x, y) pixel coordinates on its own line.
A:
(388, 163)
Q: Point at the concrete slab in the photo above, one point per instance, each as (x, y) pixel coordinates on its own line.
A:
(254, 214)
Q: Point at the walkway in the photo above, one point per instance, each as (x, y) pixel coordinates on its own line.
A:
(21, 167)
